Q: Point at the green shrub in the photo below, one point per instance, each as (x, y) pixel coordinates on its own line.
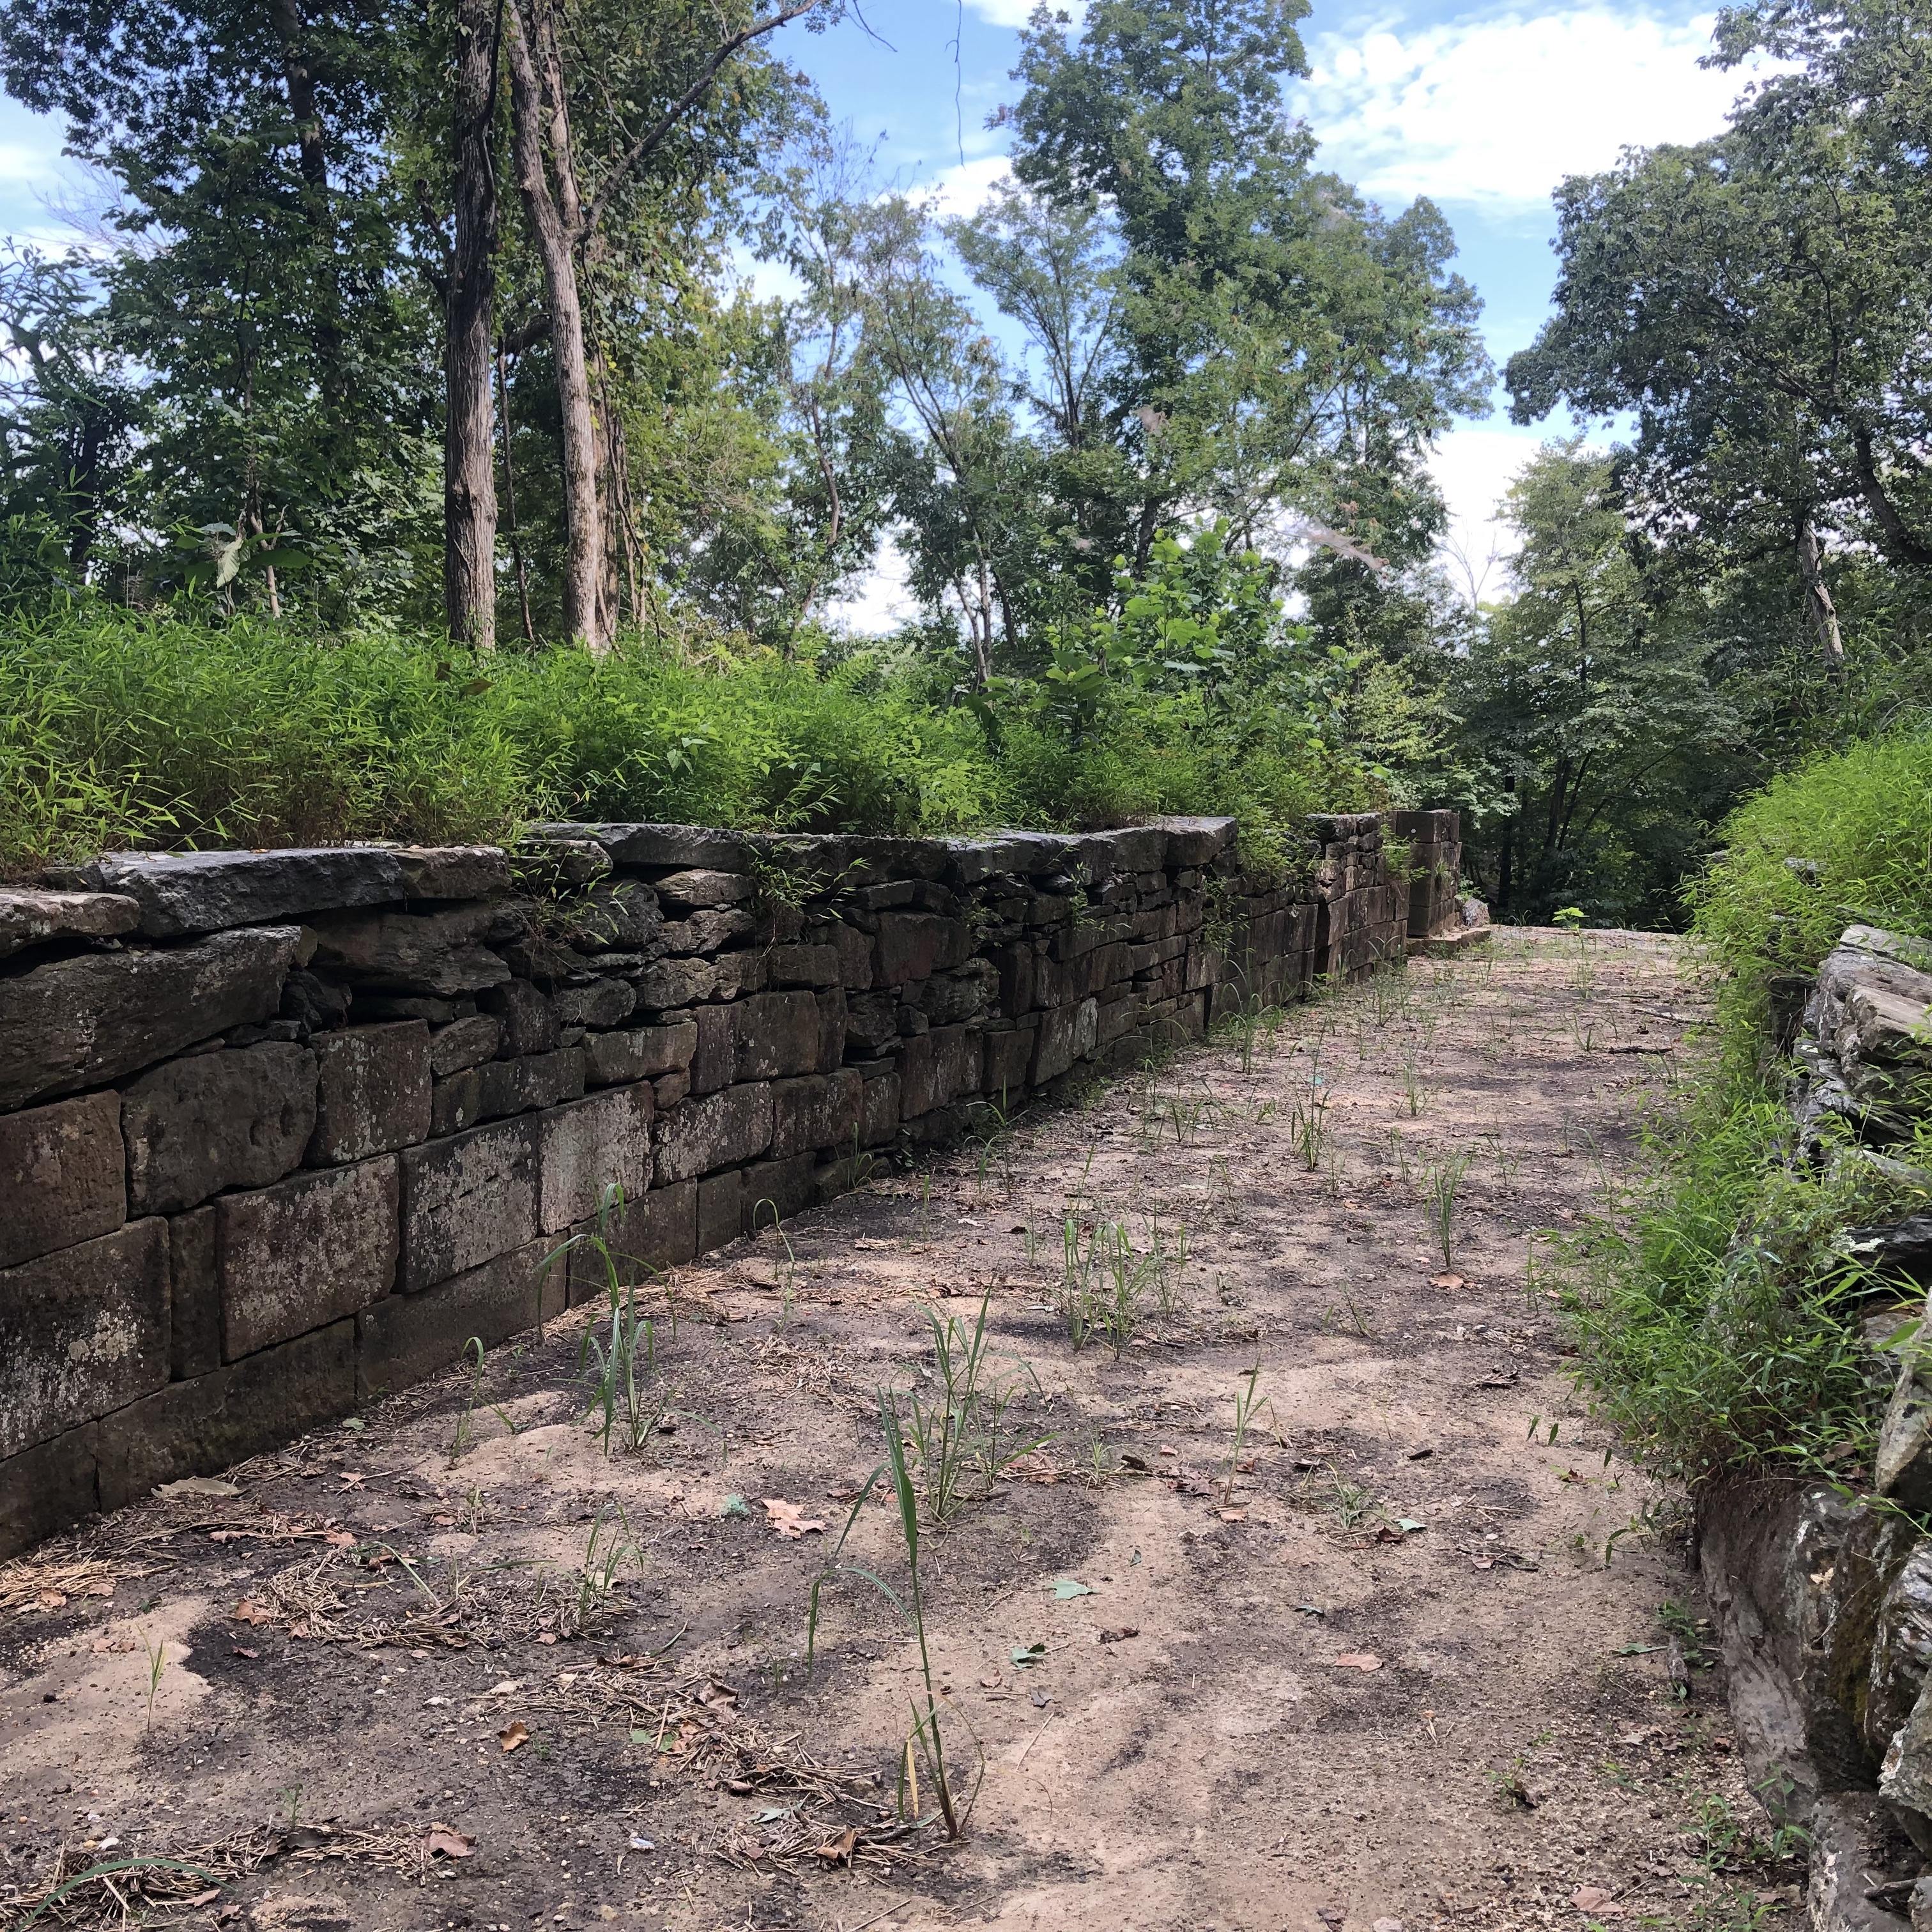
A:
(1718, 1325)
(118, 729)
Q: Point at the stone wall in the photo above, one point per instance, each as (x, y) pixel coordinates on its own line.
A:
(280, 1131)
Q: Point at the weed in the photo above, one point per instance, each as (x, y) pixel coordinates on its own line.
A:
(158, 1664)
(1104, 1279)
(1443, 1183)
(605, 1551)
(1245, 1403)
(1509, 1786)
(957, 1433)
(463, 1422)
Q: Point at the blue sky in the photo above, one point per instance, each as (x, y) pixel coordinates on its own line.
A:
(1484, 109)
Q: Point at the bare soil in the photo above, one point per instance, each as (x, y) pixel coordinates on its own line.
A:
(459, 1662)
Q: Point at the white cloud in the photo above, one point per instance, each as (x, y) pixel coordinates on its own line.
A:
(1499, 110)
(879, 602)
(959, 189)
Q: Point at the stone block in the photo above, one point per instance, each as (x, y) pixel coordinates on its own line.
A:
(446, 952)
(63, 1176)
(948, 999)
(86, 1020)
(683, 846)
(801, 966)
(618, 915)
(467, 1200)
(407, 1338)
(463, 1043)
(773, 1191)
(721, 1209)
(603, 1003)
(671, 983)
(661, 1230)
(239, 1118)
(739, 975)
(701, 885)
(508, 1087)
(194, 1296)
(372, 1092)
(528, 1020)
(855, 957)
(195, 1428)
(774, 1034)
(670, 1088)
(879, 1110)
(1197, 842)
(915, 945)
(305, 1252)
(715, 1048)
(819, 1111)
(583, 1148)
(184, 892)
(872, 1021)
(82, 1331)
(1008, 1058)
(47, 1489)
(642, 1053)
(453, 871)
(1067, 1033)
(917, 1087)
(723, 1129)
(831, 1029)
(957, 1061)
(30, 917)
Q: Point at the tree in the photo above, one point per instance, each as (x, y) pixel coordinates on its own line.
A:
(1589, 712)
(1761, 300)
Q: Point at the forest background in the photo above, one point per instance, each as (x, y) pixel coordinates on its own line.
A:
(408, 451)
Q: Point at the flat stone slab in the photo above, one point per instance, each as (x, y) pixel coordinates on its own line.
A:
(86, 1020)
(1446, 945)
(235, 1119)
(672, 847)
(184, 892)
(31, 918)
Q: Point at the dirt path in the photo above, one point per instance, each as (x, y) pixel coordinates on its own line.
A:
(1390, 1677)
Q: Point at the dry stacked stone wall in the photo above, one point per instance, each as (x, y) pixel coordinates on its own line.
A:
(281, 1131)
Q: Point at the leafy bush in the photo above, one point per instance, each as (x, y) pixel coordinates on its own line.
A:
(1718, 1323)
(119, 729)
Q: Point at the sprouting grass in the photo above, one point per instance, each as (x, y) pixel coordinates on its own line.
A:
(958, 1434)
(1106, 1281)
(158, 1664)
(465, 1420)
(1245, 1403)
(1444, 1183)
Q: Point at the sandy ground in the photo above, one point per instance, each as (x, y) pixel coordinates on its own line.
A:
(1395, 1651)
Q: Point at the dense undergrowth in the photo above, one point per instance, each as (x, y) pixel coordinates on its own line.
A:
(119, 729)
(1721, 1324)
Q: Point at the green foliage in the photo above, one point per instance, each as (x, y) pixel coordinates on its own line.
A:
(117, 729)
(1718, 1323)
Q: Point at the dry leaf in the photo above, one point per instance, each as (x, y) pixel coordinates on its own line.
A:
(450, 1844)
(839, 1851)
(547, 1636)
(513, 1737)
(339, 1539)
(1232, 1515)
(1449, 1279)
(251, 1610)
(1358, 1659)
(49, 1599)
(1120, 1635)
(789, 1519)
(198, 1486)
(1595, 1898)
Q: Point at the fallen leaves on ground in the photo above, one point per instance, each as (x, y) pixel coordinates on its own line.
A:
(442, 1842)
(789, 1520)
(513, 1737)
(1358, 1660)
(1120, 1635)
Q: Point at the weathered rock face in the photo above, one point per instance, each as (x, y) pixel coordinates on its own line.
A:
(82, 1332)
(63, 1176)
(1868, 1027)
(249, 1178)
(83, 1021)
(28, 917)
(184, 892)
(234, 1119)
(305, 1252)
(1901, 1650)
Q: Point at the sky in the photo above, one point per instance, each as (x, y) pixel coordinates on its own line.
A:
(1483, 108)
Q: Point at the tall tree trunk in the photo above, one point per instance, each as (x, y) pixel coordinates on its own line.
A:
(1818, 594)
(469, 461)
(530, 116)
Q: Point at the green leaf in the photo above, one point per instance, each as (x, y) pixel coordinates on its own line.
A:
(1069, 1587)
(1025, 1656)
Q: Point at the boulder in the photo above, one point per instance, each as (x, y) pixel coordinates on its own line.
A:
(83, 1331)
(373, 1096)
(84, 1021)
(446, 952)
(307, 1252)
(1901, 1649)
(63, 1176)
(29, 917)
(1902, 1461)
(238, 1118)
(184, 892)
